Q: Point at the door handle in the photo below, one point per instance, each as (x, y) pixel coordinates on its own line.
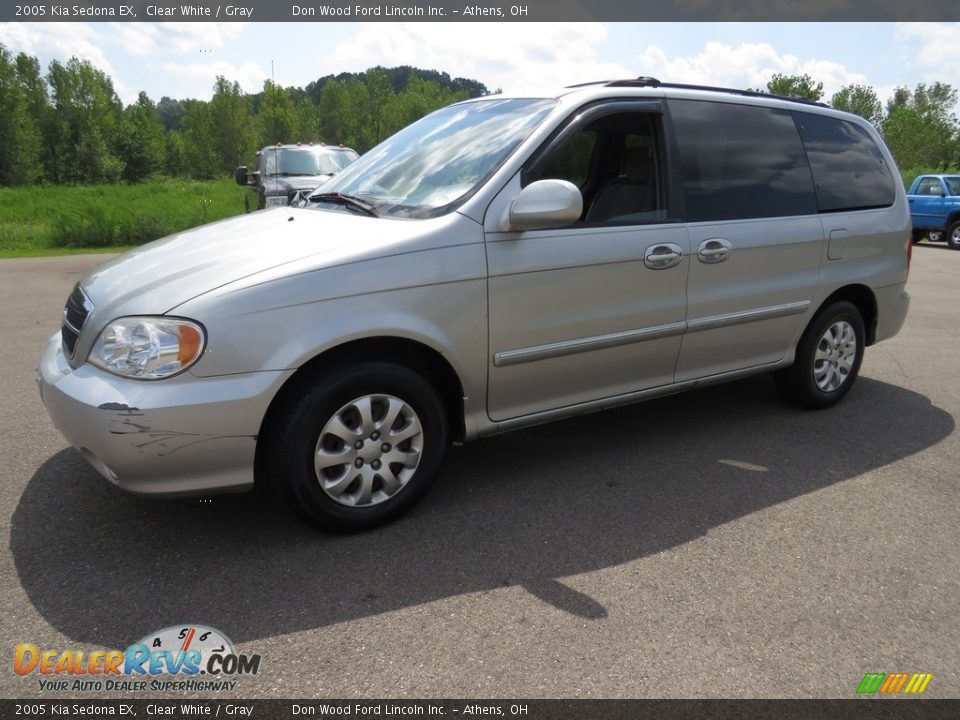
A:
(714, 250)
(662, 256)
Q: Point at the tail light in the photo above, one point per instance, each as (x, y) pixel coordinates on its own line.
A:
(909, 250)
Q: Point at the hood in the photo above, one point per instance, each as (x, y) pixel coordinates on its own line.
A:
(157, 277)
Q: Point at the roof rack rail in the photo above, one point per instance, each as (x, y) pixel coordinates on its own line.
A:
(645, 81)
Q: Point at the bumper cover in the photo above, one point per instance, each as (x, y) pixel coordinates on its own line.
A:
(181, 436)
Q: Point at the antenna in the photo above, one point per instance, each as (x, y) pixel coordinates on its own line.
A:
(273, 82)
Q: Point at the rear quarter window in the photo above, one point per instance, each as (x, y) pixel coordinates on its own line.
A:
(849, 171)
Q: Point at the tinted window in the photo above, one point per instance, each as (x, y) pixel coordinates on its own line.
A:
(741, 161)
(848, 169)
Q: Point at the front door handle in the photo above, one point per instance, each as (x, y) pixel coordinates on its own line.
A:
(714, 250)
(662, 256)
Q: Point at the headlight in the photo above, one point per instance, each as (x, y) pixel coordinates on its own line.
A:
(148, 348)
(273, 200)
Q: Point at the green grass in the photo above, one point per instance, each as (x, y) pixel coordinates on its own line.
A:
(108, 218)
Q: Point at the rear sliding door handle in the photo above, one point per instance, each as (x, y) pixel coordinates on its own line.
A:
(714, 250)
(662, 256)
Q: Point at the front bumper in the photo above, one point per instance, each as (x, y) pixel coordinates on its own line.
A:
(180, 436)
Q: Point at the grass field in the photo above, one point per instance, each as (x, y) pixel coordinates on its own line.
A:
(63, 220)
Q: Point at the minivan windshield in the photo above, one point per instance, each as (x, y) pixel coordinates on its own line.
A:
(429, 167)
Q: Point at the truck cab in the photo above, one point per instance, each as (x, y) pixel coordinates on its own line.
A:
(935, 208)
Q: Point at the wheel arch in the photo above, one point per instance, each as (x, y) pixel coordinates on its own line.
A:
(412, 354)
(865, 301)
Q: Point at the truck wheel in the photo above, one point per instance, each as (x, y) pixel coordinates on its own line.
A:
(935, 236)
(359, 447)
(953, 235)
(828, 358)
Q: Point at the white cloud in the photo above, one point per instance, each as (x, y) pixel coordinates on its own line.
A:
(930, 47)
(200, 77)
(743, 66)
(56, 41)
(516, 57)
(151, 38)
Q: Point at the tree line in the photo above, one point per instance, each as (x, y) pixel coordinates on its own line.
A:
(70, 127)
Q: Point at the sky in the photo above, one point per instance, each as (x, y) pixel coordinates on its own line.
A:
(182, 60)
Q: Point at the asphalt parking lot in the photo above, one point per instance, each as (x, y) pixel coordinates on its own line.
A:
(713, 544)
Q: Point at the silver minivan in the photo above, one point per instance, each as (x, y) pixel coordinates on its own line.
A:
(502, 262)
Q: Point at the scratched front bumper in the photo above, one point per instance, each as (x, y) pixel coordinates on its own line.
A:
(180, 436)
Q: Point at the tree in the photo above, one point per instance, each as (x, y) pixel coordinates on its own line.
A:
(860, 100)
(19, 136)
(802, 86)
(171, 112)
(199, 140)
(920, 128)
(276, 115)
(85, 128)
(231, 119)
(142, 145)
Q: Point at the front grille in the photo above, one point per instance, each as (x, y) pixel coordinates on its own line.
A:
(74, 316)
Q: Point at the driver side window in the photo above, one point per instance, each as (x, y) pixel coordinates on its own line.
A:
(616, 161)
(270, 167)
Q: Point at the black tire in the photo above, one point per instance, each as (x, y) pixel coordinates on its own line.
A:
(293, 444)
(798, 384)
(935, 236)
(952, 235)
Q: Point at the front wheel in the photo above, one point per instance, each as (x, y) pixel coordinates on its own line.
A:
(935, 236)
(359, 447)
(828, 358)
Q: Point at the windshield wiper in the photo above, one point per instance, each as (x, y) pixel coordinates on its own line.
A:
(347, 201)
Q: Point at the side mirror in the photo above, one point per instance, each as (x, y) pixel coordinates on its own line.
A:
(544, 204)
(240, 175)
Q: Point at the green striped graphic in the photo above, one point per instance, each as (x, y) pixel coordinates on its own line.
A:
(871, 682)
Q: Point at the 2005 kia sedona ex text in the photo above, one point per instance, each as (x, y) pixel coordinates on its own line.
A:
(503, 261)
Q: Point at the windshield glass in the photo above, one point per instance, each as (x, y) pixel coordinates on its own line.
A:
(427, 168)
(953, 184)
(311, 161)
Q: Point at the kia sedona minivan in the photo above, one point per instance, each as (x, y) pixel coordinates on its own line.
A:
(501, 262)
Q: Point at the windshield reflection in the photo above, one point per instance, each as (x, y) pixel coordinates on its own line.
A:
(431, 166)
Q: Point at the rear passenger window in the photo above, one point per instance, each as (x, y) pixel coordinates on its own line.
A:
(848, 168)
(741, 161)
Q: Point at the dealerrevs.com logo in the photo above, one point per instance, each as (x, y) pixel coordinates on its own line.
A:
(189, 658)
(894, 683)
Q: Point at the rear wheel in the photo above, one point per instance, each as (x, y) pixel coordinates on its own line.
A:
(360, 447)
(828, 358)
(935, 236)
(953, 235)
